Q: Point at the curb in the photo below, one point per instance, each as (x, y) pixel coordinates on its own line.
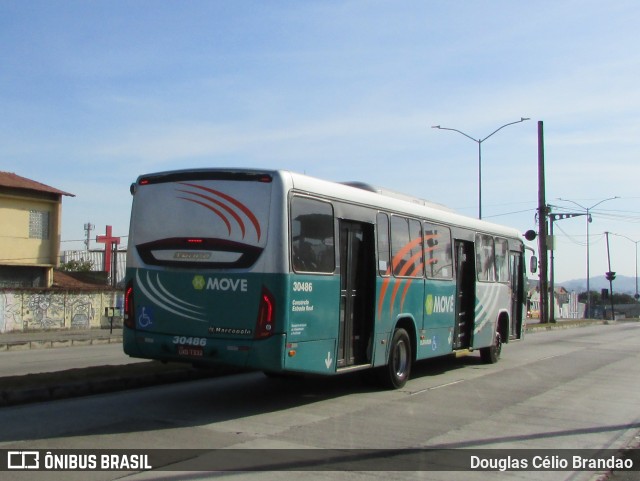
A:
(99, 380)
(566, 325)
(58, 343)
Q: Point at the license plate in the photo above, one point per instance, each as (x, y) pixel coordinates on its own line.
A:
(190, 351)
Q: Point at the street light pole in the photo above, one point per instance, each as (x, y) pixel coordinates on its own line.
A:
(587, 210)
(554, 218)
(610, 277)
(479, 142)
(637, 296)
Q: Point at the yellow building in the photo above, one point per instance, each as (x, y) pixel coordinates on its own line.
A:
(30, 220)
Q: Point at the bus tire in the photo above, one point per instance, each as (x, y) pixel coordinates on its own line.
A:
(396, 373)
(491, 354)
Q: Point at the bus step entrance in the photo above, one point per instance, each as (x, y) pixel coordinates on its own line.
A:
(460, 334)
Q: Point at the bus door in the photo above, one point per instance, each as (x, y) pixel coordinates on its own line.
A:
(466, 294)
(516, 281)
(357, 293)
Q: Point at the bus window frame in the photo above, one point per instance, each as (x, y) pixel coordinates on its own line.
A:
(479, 248)
(507, 260)
(419, 273)
(292, 256)
(388, 271)
(451, 259)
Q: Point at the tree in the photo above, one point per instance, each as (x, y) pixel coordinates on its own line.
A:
(596, 298)
(623, 299)
(76, 266)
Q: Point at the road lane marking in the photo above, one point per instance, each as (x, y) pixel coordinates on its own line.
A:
(437, 387)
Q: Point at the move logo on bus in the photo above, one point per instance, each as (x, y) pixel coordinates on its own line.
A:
(436, 304)
(220, 284)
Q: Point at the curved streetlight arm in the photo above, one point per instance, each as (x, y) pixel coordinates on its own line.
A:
(610, 198)
(479, 141)
(588, 208)
(575, 203)
(522, 119)
(456, 130)
(628, 238)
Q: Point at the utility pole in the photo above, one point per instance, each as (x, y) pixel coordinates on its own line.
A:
(542, 229)
(610, 277)
(551, 245)
(88, 227)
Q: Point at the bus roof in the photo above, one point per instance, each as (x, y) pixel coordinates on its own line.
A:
(362, 193)
(400, 203)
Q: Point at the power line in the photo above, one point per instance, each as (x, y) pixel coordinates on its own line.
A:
(572, 238)
(509, 213)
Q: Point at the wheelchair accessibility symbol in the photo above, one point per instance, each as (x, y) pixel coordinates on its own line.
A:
(145, 317)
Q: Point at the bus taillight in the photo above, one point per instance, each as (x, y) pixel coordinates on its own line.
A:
(264, 325)
(129, 312)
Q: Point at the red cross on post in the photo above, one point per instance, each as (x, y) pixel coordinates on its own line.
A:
(110, 244)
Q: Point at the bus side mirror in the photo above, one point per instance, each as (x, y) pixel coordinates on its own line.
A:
(533, 264)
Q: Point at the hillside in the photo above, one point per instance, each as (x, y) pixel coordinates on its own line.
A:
(621, 284)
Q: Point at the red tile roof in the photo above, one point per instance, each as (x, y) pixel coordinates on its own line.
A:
(79, 280)
(11, 180)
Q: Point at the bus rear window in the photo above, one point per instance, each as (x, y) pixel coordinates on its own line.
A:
(201, 219)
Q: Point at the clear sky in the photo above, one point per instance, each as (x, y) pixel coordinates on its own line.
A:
(95, 93)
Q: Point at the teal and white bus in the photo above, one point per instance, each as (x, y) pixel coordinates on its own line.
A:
(282, 272)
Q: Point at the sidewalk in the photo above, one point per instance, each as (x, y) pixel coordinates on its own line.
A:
(15, 341)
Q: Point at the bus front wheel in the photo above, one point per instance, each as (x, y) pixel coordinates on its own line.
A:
(396, 373)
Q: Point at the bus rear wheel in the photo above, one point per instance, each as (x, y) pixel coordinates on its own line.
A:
(396, 373)
(491, 354)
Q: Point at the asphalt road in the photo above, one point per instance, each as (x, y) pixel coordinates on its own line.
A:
(33, 361)
(573, 388)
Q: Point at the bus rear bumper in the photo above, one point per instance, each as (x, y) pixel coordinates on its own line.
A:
(264, 354)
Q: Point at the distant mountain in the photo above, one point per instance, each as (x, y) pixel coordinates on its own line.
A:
(621, 284)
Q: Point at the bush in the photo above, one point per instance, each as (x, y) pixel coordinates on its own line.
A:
(76, 266)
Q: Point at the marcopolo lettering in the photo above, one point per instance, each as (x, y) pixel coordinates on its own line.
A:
(236, 331)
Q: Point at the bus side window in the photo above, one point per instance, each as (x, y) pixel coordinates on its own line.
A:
(485, 258)
(437, 251)
(384, 265)
(312, 236)
(406, 247)
(502, 260)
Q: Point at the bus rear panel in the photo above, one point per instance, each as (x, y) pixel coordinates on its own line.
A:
(197, 284)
